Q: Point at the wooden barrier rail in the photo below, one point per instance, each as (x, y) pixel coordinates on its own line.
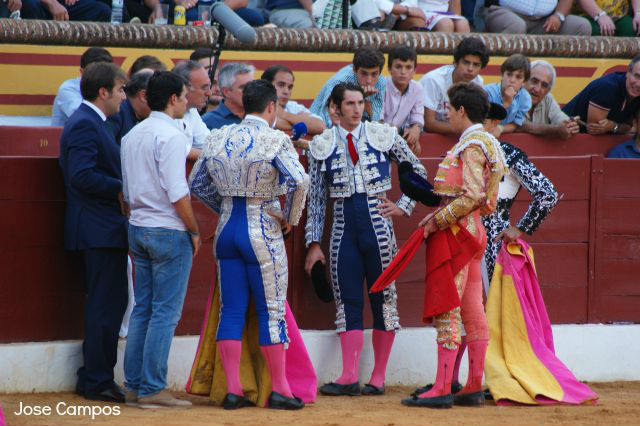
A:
(587, 252)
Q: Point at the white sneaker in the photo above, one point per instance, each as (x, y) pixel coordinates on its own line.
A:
(162, 399)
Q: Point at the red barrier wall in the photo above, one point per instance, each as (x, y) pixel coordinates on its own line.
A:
(587, 252)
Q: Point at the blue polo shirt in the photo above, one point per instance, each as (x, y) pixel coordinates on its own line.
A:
(627, 149)
(608, 92)
(520, 105)
(219, 117)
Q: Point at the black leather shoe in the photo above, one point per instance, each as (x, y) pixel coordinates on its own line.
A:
(277, 401)
(455, 388)
(336, 389)
(233, 402)
(110, 394)
(444, 401)
(475, 399)
(487, 395)
(79, 388)
(370, 389)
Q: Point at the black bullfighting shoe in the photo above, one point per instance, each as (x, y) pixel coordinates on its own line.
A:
(370, 389)
(455, 388)
(443, 401)
(278, 401)
(233, 402)
(474, 399)
(336, 389)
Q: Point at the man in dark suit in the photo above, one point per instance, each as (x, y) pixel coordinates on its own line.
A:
(96, 225)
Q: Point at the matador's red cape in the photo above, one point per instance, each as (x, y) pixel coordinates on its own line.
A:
(447, 252)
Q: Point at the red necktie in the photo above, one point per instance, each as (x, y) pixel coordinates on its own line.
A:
(352, 149)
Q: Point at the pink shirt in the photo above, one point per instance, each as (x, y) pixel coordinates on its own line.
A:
(403, 110)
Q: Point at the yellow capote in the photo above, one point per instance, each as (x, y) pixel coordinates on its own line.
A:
(512, 369)
(207, 373)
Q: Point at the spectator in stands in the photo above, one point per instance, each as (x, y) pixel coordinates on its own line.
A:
(290, 112)
(145, 10)
(232, 78)
(611, 17)
(7, 7)
(67, 10)
(198, 91)
(444, 16)
(204, 56)
(69, 97)
(469, 57)
(401, 15)
(147, 61)
(545, 118)
(404, 98)
(365, 72)
(164, 238)
(511, 93)
(253, 17)
(630, 148)
(291, 13)
(134, 109)
(534, 17)
(609, 103)
(96, 224)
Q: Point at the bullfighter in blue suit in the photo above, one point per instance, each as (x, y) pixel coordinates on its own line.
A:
(242, 171)
(351, 164)
(95, 224)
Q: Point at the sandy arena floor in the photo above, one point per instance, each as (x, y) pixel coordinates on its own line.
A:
(618, 405)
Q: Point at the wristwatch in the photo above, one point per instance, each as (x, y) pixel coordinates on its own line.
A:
(599, 15)
(560, 16)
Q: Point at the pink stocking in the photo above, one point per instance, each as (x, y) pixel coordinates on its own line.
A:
(382, 342)
(230, 351)
(275, 356)
(456, 367)
(442, 385)
(477, 352)
(351, 344)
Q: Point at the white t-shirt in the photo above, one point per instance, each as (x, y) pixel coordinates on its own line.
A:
(294, 107)
(435, 85)
(194, 128)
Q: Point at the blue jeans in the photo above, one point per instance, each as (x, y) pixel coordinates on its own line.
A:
(162, 259)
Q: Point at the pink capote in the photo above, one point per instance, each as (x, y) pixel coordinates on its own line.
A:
(299, 370)
(521, 364)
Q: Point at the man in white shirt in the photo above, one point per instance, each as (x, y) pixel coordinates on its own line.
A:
(469, 57)
(198, 91)
(163, 238)
(290, 112)
(68, 98)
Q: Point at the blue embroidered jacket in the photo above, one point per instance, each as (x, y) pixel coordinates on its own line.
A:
(330, 173)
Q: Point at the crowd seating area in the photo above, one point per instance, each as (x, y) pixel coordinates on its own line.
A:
(579, 17)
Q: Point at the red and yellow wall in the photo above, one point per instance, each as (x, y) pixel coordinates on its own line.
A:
(32, 74)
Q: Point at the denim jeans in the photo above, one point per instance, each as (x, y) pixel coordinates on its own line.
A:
(162, 259)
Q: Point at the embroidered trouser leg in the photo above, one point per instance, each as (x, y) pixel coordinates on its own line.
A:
(362, 245)
(252, 261)
(471, 311)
